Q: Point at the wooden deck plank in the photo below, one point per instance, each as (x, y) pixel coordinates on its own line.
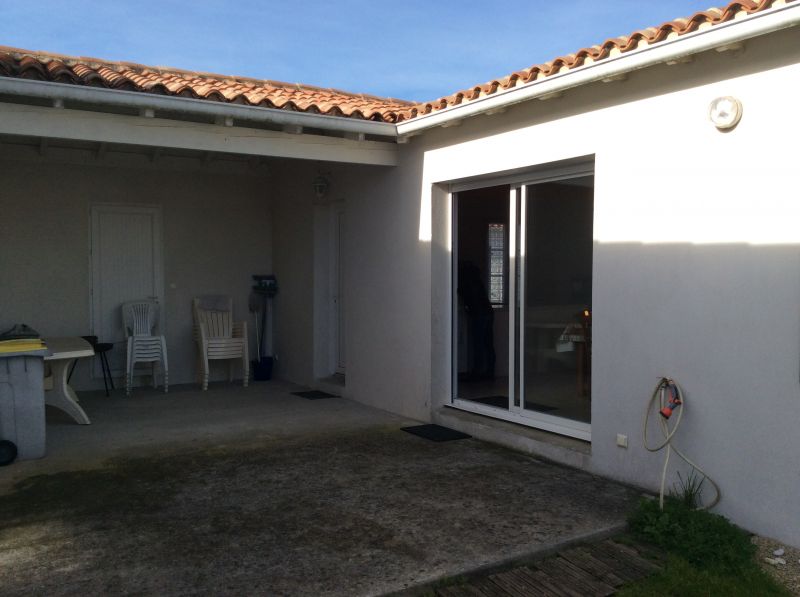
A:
(567, 580)
(628, 561)
(526, 576)
(488, 588)
(553, 586)
(523, 575)
(600, 585)
(537, 587)
(459, 591)
(627, 573)
(449, 592)
(596, 570)
(588, 583)
(584, 560)
(635, 556)
(516, 585)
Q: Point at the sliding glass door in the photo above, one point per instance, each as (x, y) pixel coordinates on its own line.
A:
(522, 310)
(481, 309)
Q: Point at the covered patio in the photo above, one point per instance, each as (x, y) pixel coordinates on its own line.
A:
(90, 226)
(260, 491)
(114, 195)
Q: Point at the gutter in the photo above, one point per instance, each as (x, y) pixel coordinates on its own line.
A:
(61, 93)
(717, 36)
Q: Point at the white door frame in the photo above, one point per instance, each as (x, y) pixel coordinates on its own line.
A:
(95, 210)
(338, 354)
(517, 237)
(326, 288)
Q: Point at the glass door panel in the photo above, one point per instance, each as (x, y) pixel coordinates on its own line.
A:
(522, 303)
(555, 297)
(481, 297)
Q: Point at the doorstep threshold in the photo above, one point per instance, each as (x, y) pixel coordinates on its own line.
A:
(333, 384)
(543, 444)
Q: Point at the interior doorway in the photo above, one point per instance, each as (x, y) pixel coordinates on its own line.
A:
(522, 308)
(338, 346)
(329, 292)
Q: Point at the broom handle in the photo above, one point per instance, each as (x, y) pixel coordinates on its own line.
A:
(258, 340)
(263, 322)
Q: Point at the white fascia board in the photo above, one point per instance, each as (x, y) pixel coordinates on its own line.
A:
(48, 90)
(84, 125)
(717, 36)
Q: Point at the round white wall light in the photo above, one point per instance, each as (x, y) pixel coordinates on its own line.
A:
(725, 112)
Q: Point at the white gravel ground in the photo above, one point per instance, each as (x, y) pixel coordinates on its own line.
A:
(788, 574)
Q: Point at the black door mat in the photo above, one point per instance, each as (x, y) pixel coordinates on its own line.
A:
(436, 433)
(314, 395)
(502, 402)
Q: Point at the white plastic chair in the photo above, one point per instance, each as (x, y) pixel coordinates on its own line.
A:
(140, 319)
(218, 336)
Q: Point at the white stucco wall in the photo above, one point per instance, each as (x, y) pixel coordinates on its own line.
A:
(216, 230)
(696, 266)
(293, 234)
(385, 273)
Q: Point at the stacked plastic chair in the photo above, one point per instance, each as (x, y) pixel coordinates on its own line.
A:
(140, 318)
(218, 336)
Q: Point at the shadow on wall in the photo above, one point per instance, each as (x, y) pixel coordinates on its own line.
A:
(724, 321)
(721, 319)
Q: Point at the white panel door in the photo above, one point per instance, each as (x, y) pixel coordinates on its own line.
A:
(126, 266)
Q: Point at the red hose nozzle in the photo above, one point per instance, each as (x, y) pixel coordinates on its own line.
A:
(674, 401)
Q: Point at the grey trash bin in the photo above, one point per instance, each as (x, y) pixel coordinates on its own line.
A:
(22, 418)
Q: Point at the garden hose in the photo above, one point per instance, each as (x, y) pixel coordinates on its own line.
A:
(677, 402)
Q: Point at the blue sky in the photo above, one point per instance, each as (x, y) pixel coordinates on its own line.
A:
(414, 49)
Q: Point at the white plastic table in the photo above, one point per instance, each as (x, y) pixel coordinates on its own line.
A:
(62, 352)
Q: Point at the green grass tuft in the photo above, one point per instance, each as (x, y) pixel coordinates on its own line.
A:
(689, 490)
(707, 554)
(703, 539)
(681, 579)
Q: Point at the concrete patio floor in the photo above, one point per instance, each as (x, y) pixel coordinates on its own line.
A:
(151, 421)
(257, 491)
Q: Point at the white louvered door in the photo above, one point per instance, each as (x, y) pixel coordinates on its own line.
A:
(126, 266)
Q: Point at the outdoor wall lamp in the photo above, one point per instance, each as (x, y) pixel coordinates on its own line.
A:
(320, 186)
(725, 112)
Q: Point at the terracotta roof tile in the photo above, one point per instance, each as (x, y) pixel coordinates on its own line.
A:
(73, 70)
(609, 48)
(304, 98)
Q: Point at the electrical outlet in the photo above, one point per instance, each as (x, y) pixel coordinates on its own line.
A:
(622, 440)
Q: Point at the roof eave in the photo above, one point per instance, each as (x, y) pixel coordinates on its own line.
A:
(97, 96)
(718, 36)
